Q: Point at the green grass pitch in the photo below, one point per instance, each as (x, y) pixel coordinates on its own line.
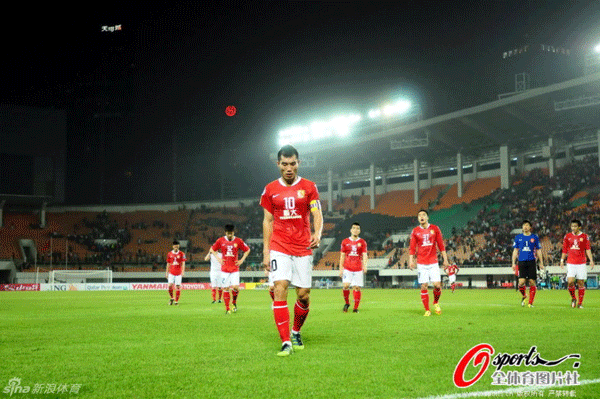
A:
(131, 344)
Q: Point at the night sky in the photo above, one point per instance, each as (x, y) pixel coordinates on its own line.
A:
(175, 66)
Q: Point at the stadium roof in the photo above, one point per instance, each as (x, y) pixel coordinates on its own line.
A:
(34, 200)
(516, 121)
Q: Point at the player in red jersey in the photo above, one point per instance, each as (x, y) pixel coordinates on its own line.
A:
(423, 241)
(353, 266)
(451, 272)
(229, 247)
(576, 246)
(174, 273)
(288, 203)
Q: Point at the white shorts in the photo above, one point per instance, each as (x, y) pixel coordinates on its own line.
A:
(172, 279)
(355, 279)
(452, 278)
(579, 272)
(215, 278)
(271, 283)
(429, 273)
(230, 279)
(295, 269)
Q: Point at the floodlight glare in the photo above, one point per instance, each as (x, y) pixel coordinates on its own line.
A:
(339, 126)
(597, 48)
(374, 113)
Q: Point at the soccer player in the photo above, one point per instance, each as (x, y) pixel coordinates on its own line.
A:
(174, 273)
(423, 241)
(451, 272)
(229, 247)
(576, 246)
(288, 242)
(353, 266)
(215, 275)
(525, 248)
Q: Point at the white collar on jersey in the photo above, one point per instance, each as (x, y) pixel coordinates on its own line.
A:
(350, 238)
(428, 225)
(225, 237)
(283, 183)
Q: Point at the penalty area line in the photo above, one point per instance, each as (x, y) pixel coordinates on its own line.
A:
(501, 392)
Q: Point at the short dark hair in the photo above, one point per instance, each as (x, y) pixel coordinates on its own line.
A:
(423, 210)
(229, 227)
(175, 242)
(526, 221)
(576, 221)
(356, 224)
(287, 151)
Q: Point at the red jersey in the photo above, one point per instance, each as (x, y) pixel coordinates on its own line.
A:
(575, 246)
(354, 251)
(423, 242)
(229, 250)
(290, 207)
(452, 270)
(175, 260)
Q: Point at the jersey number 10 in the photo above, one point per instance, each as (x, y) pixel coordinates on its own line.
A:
(290, 202)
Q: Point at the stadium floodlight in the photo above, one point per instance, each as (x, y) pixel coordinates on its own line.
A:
(397, 109)
(339, 126)
(597, 48)
(374, 113)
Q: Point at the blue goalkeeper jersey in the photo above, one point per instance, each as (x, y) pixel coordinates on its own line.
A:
(527, 245)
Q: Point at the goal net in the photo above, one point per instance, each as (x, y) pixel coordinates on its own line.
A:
(80, 276)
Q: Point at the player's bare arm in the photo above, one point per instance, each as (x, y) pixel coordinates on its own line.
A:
(364, 261)
(540, 258)
(588, 252)
(515, 256)
(182, 268)
(411, 262)
(562, 260)
(342, 260)
(445, 258)
(167, 272)
(267, 233)
(239, 262)
(315, 238)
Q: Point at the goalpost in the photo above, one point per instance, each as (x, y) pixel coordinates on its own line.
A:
(80, 276)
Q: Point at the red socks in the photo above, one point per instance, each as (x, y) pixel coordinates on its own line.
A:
(581, 292)
(220, 293)
(235, 295)
(572, 292)
(171, 292)
(532, 291)
(272, 294)
(356, 295)
(425, 298)
(177, 293)
(214, 294)
(226, 297)
(346, 296)
(282, 319)
(437, 292)
(300, 313)
(522, 290)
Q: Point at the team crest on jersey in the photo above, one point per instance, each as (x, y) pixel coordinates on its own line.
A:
(235, 245)
(532, 240)
(581, 239)
(432, 232)
(301, 193)
(359, 245)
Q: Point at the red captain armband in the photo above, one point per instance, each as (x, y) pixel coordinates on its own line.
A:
(315, 205)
